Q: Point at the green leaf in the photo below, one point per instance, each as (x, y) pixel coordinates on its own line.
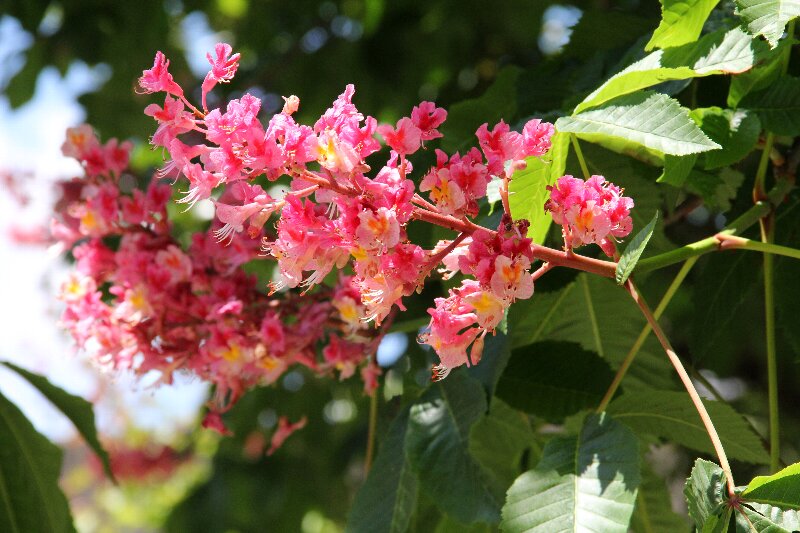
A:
(727, 286)
(387, 499)
(527, 194)
(677, 169)
(717, 190)
(30, 498)
(671, 415)
(448, 525)
(767, 519)
(554, 379)
(736, 131)
(760, 77)
(681, 22)
(705, 494)
(464, 118)
(583, 483)
(778, 106)
(527, 190)
(437, 442)
(767, 17)
(78, 410)
(650, 119)
(653, 512)
(720, 52)
(634, 251)
(498, 440)
(600, 316)
(781, 489)
(493, 192)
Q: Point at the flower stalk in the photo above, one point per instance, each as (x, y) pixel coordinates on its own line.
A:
(687, 383)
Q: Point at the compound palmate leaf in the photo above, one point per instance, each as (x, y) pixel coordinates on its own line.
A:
(582, 483)
(30, 499)
(653, 120)
(781, 489)
(671, 415)
(386, 500)
(768, 17)
(437, 444)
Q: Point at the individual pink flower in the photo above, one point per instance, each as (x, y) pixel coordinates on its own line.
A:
(378, 230)
(159, 79)
(405, 138)
(536, 137)
(499, 145)
(427, 117)
(285, 429)
(79, 142)
(223, 68)
(172, 120)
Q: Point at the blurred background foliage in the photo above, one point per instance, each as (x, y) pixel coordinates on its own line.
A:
(483, 61)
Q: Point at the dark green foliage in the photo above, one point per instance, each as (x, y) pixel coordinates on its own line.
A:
(30, 499)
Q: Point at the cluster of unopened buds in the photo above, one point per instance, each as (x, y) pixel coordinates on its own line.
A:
(147, 304)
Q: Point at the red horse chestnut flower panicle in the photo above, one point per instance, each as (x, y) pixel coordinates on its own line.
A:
(140, 300)
(591, 211)
(500, 262)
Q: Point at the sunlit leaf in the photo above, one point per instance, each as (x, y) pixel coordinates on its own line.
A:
(583, 483)
(705, 496)
(781, 489)
(767, 17)
(653, 120)
(720, 52)
(681, 22)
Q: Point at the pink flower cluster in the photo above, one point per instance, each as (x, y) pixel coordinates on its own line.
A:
(591, 211)
(500, 263)
(139, 300)
(136, 300)
(333, 214)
